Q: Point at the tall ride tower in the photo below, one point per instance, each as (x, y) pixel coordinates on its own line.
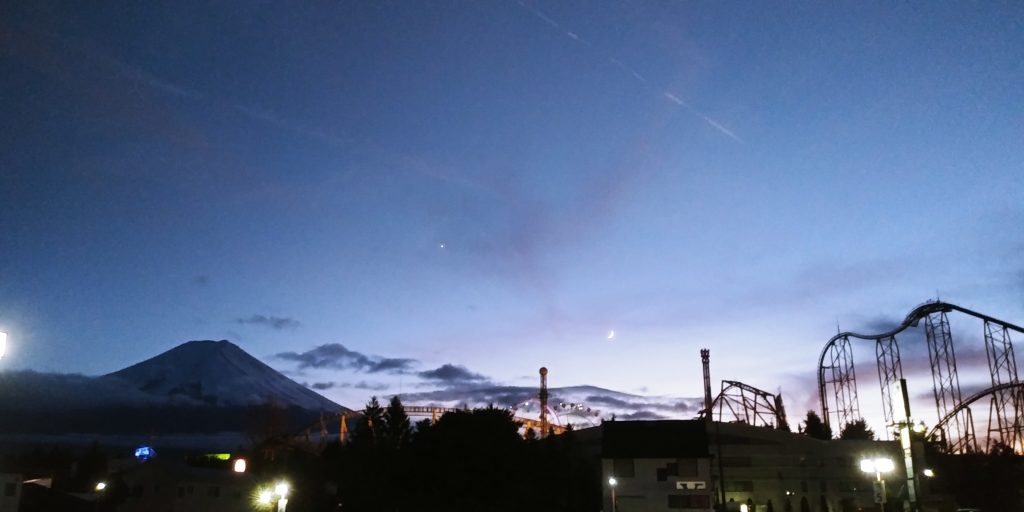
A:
(705, 359)
(543, 396)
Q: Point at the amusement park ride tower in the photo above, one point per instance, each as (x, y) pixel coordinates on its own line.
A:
(543, 396)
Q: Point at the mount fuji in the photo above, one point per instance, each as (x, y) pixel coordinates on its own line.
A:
(197, 387)
(216, 373)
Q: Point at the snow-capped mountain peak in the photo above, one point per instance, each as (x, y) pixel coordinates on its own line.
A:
(216, 373)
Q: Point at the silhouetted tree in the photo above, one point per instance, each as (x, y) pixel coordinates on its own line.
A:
(857, 430)
(371, 428)
(530, 435)
(814, 427)
(397, 428)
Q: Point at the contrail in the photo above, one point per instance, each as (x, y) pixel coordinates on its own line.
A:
(623, 66)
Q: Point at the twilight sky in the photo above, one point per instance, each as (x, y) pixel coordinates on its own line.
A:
(497, 185)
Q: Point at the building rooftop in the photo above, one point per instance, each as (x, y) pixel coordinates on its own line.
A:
(654, 439)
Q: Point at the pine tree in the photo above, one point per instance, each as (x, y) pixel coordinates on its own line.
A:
(857, 430)
(814, 427)
(397, 428)
(370, 430)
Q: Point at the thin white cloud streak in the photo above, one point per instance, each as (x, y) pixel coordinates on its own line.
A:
(539, 14)
(622, 65)
(714, 124)
(140, 76)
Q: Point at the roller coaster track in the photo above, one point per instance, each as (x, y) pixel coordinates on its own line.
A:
(938, 430)
(836, 372)
(749, 405)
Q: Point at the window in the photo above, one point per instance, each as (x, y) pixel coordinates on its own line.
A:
(678, 501)
(10, 489)
(190, 490)
(803, 486)
(623, 468)
(672, 469)
(181, 492)
(739, 486)
(137, 491)
(213, 491)
(824, 486)
(662, 475)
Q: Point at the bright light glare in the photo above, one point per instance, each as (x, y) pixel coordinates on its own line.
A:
(929, 473)
(100, 486)
(3, 344)
(744, 507)
(919, 428)
(281, 489)
(264, 497)
(879, 465)
(612, 481)
(239, 466)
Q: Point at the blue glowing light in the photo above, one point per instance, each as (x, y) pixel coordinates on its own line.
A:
(144, 453)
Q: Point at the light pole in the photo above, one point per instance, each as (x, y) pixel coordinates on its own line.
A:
(612, 482)
(266, 496)
(878, 466)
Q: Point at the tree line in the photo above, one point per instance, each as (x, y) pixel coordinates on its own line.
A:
(468, 460)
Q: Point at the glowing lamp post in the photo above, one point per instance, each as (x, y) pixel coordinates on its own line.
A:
(266, 497)
(878, 466)
(612, 482)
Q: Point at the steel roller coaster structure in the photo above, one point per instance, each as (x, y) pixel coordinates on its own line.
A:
(837, 380)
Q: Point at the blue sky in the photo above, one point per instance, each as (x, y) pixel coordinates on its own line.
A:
(498, 185)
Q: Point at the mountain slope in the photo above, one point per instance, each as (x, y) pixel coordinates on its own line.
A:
(216, 373)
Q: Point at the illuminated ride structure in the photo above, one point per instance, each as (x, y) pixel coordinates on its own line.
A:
(837, 380)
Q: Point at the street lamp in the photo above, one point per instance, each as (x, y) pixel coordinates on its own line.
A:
(3, 344)
(878, 466)
(266, 497)
(612, 482)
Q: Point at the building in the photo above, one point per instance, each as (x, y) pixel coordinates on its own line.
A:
(176, 486)
(675, 465)
(656, 465)
(10, 491)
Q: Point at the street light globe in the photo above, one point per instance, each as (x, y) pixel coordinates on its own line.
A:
(877, 465)
(239, 466)
(264, 497)
(281, 489)
(101, 486)
(612, 481)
